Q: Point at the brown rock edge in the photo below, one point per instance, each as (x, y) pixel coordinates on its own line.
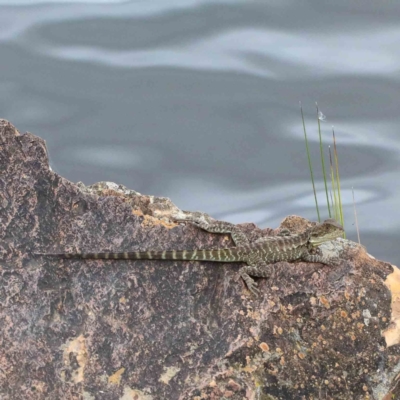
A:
(174, 330)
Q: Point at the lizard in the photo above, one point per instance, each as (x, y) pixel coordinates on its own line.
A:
(257, 255)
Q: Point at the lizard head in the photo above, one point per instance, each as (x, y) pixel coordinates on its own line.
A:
(325, 232)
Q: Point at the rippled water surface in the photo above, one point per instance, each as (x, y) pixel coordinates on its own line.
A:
(198, 101)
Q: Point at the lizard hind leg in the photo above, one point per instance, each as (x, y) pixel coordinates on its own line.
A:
(261, 269)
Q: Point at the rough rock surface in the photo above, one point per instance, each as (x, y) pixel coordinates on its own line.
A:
(145, 330)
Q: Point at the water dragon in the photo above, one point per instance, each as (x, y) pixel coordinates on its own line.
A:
(257, 255)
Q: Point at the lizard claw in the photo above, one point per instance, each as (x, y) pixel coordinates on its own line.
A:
(252, 286)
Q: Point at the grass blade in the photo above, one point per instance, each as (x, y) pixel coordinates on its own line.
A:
(355, 216)
(337, 177)
(334, 199)
(323, 161)
(309, 163)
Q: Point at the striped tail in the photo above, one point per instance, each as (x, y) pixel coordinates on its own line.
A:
(220, 255)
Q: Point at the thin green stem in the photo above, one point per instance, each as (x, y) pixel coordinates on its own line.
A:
(334, 200)
(355, 216)
(323, 161)
(309, 163)
(337, 177)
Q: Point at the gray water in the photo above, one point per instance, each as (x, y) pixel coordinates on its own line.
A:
(198, 100)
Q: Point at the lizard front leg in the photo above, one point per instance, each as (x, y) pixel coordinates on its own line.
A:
(320, 258)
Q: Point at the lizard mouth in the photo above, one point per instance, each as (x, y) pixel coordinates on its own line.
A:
(316, 241)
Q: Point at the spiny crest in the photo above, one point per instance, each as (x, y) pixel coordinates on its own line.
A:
(328, 230)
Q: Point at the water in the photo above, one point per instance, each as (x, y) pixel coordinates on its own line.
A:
(199, 101)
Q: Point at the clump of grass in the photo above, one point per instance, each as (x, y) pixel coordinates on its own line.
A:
(335, 195)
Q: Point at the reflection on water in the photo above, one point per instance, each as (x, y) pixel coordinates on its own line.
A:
(198, 100)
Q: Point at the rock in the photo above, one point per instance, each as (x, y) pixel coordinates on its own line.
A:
(148, 330)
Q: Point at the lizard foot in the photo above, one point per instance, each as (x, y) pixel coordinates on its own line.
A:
(209, 227)
(186, 221)
(253, 289)
(334, 261)
(251, 284)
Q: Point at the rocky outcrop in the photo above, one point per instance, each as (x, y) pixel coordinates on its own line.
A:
(99, 329)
